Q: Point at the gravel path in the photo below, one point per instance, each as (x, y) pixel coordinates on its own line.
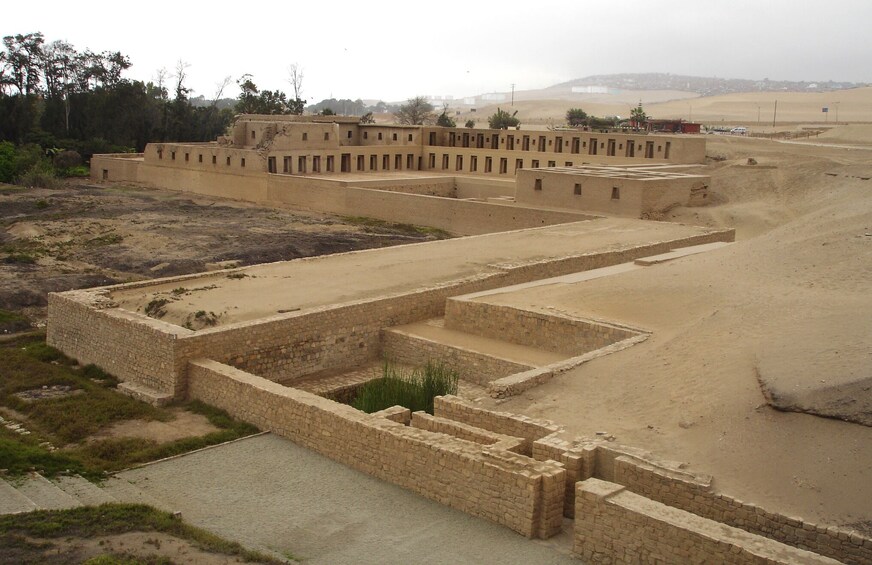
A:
(267, 492)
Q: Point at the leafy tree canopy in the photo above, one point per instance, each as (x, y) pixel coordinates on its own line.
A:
(503, 120)
(576, 116)
(416, 111)
(445, 120)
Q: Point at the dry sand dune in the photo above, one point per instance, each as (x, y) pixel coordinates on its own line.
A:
(788, 304)
(750, 109)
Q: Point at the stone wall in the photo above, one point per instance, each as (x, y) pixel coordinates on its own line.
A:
(515, 425)
(473, 366)
(697, 497)
(130, 346)
(559, 334)
(425, 421)
(507, 488)
(335, 337)
(614, 525)
(284, 346)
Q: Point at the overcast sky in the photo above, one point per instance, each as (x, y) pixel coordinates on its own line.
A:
(394, 50)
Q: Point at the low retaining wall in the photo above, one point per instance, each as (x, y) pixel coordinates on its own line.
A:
(614, 525)
(529, 429)
(461, 217)
(130, 346)
(473, 366)
(696, 497)
(466, 432)
(443, 187)
(558, 334)
(510, 489)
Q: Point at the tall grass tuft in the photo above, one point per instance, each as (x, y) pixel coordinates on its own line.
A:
(414, 390)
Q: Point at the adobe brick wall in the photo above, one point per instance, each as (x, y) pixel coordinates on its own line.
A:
(456, 216)
(510, 489)
(614, 525)
(559, 334)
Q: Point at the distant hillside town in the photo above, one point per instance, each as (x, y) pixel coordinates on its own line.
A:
(704, 86)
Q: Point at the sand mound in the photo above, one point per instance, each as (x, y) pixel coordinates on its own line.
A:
(789, 301)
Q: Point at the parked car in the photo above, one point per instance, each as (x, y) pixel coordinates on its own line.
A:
(741, 130)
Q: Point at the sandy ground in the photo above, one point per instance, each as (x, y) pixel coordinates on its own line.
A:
(269, 289)
(185, 424)
(268, 493)
(788, 304)
(83, 235)
(755, 110)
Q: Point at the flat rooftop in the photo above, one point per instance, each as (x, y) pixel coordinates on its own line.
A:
(633, 173)
(265, 290)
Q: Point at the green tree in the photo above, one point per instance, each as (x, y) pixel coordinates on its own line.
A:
(576, 116)
(444, 120)
(367, 118)
(638, 116)
(416, 111)
(254, 101)
(470, 124)
(503, 120)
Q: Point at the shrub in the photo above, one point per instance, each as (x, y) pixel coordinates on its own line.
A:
(67, 160)
(39, 175)
(414, 390)
(503, 120)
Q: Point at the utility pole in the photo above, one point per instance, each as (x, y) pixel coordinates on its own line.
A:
(774, 113)
(758, 114)
(513, 94)
(836, 104)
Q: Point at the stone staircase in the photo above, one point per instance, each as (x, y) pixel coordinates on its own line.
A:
(36, 492)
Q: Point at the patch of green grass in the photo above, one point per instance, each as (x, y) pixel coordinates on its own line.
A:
(9, 316)
(27, 363)
(42, 204)
(105, 239)
(11, 322)
(20, 454)
(110, 519)
(414, 390)
(19, 259)
(80, 171)
(95, 373)
(119, 453)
